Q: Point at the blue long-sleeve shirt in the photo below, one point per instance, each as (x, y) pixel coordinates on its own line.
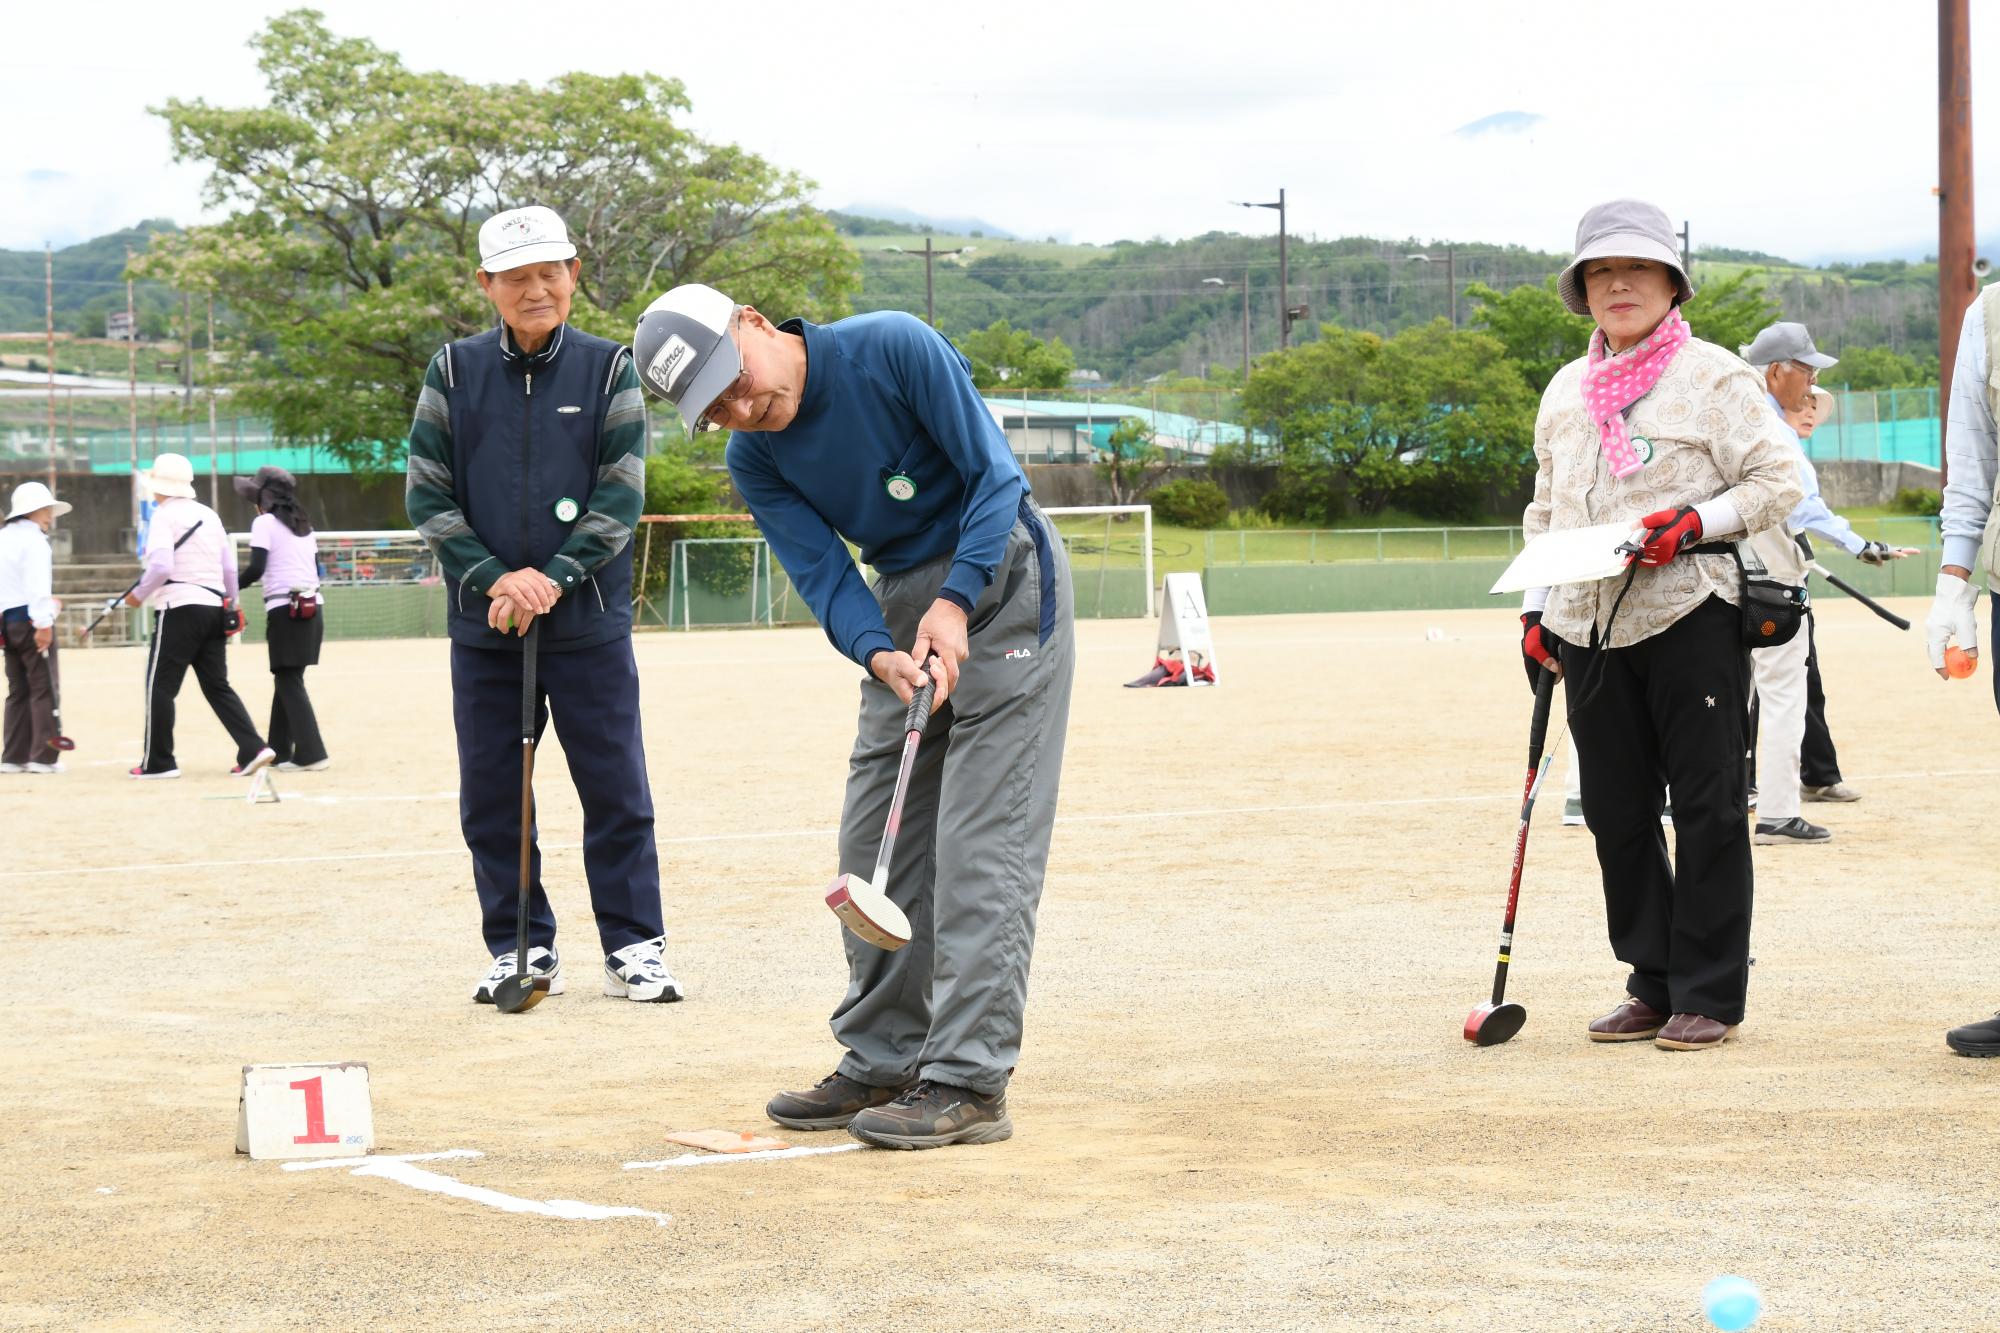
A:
(1813, 513)
(885, 397)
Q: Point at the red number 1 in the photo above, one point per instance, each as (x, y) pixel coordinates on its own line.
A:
(315, 1112)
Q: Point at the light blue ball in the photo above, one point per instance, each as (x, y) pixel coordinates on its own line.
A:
(1732, 1303)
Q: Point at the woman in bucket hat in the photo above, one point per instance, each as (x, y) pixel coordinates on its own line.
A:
(27, 617)
(1674, 439)
(191, 579)
(284, 557)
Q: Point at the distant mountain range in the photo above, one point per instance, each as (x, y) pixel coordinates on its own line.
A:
(919, 222)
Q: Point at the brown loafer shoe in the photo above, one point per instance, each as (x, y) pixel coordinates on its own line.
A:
(1693, 1032)
(1634, 1020)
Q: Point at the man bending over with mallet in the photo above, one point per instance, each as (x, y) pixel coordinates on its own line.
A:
(869, 429)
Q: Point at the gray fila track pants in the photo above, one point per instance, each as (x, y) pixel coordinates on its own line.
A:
(974, 843)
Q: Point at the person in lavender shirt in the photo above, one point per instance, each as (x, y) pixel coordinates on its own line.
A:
(284, 557)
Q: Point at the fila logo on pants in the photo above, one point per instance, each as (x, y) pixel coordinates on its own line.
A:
(1013, 653)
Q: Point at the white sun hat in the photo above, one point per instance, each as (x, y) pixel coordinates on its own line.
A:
(32, 495)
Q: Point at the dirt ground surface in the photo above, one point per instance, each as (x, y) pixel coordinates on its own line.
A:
(1244, 1099)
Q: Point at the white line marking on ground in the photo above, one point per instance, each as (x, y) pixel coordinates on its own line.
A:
(769, 835)
(324, 1162)
(703, 1159)
(399, 1170)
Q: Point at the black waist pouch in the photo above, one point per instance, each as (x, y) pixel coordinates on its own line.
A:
(1772, 610)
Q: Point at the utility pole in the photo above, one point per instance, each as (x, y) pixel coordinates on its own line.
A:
(49, 290)
(208, 380)
(1450, 275)
(1287, 312)
(132, 389)
(1957, 287)
(1687, 252)
(930, 254)
(187, 350)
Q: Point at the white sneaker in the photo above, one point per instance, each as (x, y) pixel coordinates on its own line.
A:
(315, 767)
(639, 972)
(542, 962)
(56, 767)
(13, 768)
(143, 776)
(1573, 812)
(259, 760)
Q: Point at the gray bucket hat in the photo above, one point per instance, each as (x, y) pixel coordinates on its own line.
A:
(685, 348)
(1786, 340)
(276, 478)
(1626, 229)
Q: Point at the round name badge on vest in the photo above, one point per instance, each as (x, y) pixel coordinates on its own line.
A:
(1644, 448)
(566, 510)
(899, 486)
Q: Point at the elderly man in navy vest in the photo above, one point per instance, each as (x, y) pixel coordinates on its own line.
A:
(526, 476)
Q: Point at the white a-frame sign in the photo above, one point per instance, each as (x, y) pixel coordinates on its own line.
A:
(1184, 634)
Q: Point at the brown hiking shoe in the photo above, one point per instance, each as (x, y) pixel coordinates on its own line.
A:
(828, 1104)
(931, 1115)
(1693, 1032)
(1633, 1020)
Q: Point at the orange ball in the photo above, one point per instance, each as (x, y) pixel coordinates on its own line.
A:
(1958, 664)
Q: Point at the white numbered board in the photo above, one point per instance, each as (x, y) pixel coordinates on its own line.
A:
(1184, 633)
(307, 1110)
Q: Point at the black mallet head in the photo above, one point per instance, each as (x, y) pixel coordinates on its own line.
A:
(1489, 1024)
(525, 990)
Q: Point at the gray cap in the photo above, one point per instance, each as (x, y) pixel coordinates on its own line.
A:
(1622, 229)
(1786, 341)
(685, 350)
(273, 478)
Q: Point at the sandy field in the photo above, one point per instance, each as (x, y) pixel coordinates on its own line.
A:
(1243, 1102)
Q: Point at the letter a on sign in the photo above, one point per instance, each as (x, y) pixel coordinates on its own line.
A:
(291, 1111)
(1184, 629)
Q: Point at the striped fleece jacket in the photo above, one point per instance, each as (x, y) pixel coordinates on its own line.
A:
(535, 461)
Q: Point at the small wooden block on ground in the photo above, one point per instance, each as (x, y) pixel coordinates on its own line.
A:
(726, 1140)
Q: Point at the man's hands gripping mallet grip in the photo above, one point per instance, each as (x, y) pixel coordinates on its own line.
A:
(1954, 615)
(942, 640)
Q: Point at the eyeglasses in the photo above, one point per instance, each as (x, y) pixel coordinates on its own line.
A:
(738, 389)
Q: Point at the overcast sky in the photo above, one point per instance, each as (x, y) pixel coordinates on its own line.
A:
(1808, 130)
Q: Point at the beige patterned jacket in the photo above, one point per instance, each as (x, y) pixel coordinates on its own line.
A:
(1710, 429)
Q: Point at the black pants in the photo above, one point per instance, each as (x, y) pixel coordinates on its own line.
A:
(1671, 710)
(31, 698)
(294, 646)
(1819, 766)
(183, 637)
(593, 695)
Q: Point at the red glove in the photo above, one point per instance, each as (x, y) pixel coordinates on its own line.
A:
(1668, 533)
(1538, 651)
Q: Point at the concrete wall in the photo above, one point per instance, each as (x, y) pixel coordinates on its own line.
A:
(1856, 485)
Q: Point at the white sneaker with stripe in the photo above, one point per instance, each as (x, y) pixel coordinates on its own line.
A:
(639, 972)
(542, 962)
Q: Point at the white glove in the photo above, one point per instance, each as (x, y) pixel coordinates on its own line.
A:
(1952, 617)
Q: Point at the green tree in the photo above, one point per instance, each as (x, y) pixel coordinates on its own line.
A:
(1130, 460)
(1432, 418)
(1539, 332)
(1879, 368)
(1001, 354)
(358, 193)
(1731, 312)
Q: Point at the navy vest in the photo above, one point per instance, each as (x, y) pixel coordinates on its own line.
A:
(524, 437)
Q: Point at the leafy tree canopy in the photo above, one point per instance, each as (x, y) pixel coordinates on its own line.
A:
(1004, 355)
(359, 190)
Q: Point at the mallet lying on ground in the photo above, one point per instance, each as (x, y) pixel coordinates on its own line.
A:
(863, 905)
(1495, 1021)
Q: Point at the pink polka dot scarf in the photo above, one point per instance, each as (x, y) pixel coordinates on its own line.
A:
(1612, 383)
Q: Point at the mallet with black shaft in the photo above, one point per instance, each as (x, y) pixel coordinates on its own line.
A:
(1859, 596)
(863, 905)
(1495, 1021)
(525, 989)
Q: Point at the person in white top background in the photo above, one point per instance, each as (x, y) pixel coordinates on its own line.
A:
(284, 557)
(28, 616)
(191, 579)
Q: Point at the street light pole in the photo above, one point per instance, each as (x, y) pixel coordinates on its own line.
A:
(1450, 275)
(1286, 311)
(929, 254)
(1224, 282)
(1957, 286)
